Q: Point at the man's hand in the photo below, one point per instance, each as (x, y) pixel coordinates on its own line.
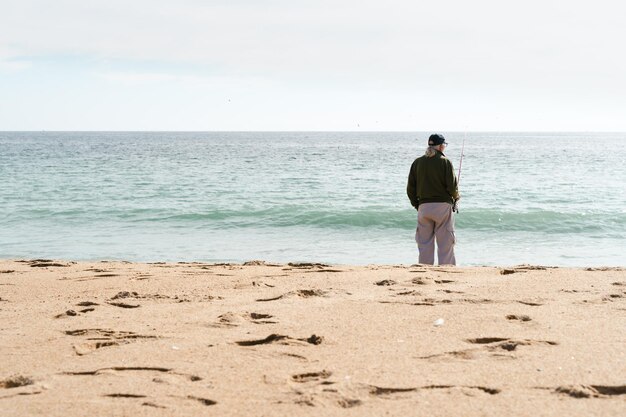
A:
(455, 205)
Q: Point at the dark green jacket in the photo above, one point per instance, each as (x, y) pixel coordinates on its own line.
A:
(432, 180)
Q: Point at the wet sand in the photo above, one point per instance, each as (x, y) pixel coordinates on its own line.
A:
(118, 338)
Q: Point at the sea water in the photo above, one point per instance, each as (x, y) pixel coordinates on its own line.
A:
(334, 197)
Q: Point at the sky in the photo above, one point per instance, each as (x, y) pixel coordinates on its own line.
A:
(395, 65)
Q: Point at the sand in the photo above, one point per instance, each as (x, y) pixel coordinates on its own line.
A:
(130, 339)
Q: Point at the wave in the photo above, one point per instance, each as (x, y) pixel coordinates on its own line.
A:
(379, 217)
(541, 221)
(297, 216)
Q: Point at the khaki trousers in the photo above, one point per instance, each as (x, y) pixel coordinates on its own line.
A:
(435, 221)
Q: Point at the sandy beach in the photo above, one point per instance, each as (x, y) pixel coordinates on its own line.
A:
(121, 339)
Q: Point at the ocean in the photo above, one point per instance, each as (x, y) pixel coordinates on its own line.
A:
(334, 197)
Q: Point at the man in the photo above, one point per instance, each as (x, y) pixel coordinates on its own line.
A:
(433, 190)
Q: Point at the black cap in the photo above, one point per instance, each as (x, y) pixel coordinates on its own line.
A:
(436, 139)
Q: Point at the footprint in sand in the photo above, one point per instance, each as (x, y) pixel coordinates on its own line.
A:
(432, 301)
(486, 340)
(490, 391)
(153, 405)
(591, 391)
(519, 317)
(98, 270)
(307, 265)
(87, 304)
(68, 313)
(16, 381)
(115, 369)
(530, 303)
(45, 263)
(531, 268)
(311, 293)
(143, 375)
(281, 339)
(386, 391)
(408, 292)
(230, 319)
(311, 376)
(310, 267)
(203, 401)
(140, 277)
(100, 338)
(606, 268)
(298, 293)
(509, 344)
(613, 297)
(124, 305)
(451, 292)
(492, 346)
(124, 395)
(313, 389)
(72, 313)
(330, 396)
(324, 270)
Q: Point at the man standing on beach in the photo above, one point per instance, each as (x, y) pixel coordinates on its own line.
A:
(433, 190)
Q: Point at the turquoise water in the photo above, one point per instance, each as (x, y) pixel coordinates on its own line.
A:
(540, 198)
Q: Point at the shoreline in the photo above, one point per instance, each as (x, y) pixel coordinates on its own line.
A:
(260, 262)
(120, 338)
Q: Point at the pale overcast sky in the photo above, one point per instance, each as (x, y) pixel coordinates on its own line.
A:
(312, 65)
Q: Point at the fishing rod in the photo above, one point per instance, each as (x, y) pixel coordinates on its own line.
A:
(455, 206)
